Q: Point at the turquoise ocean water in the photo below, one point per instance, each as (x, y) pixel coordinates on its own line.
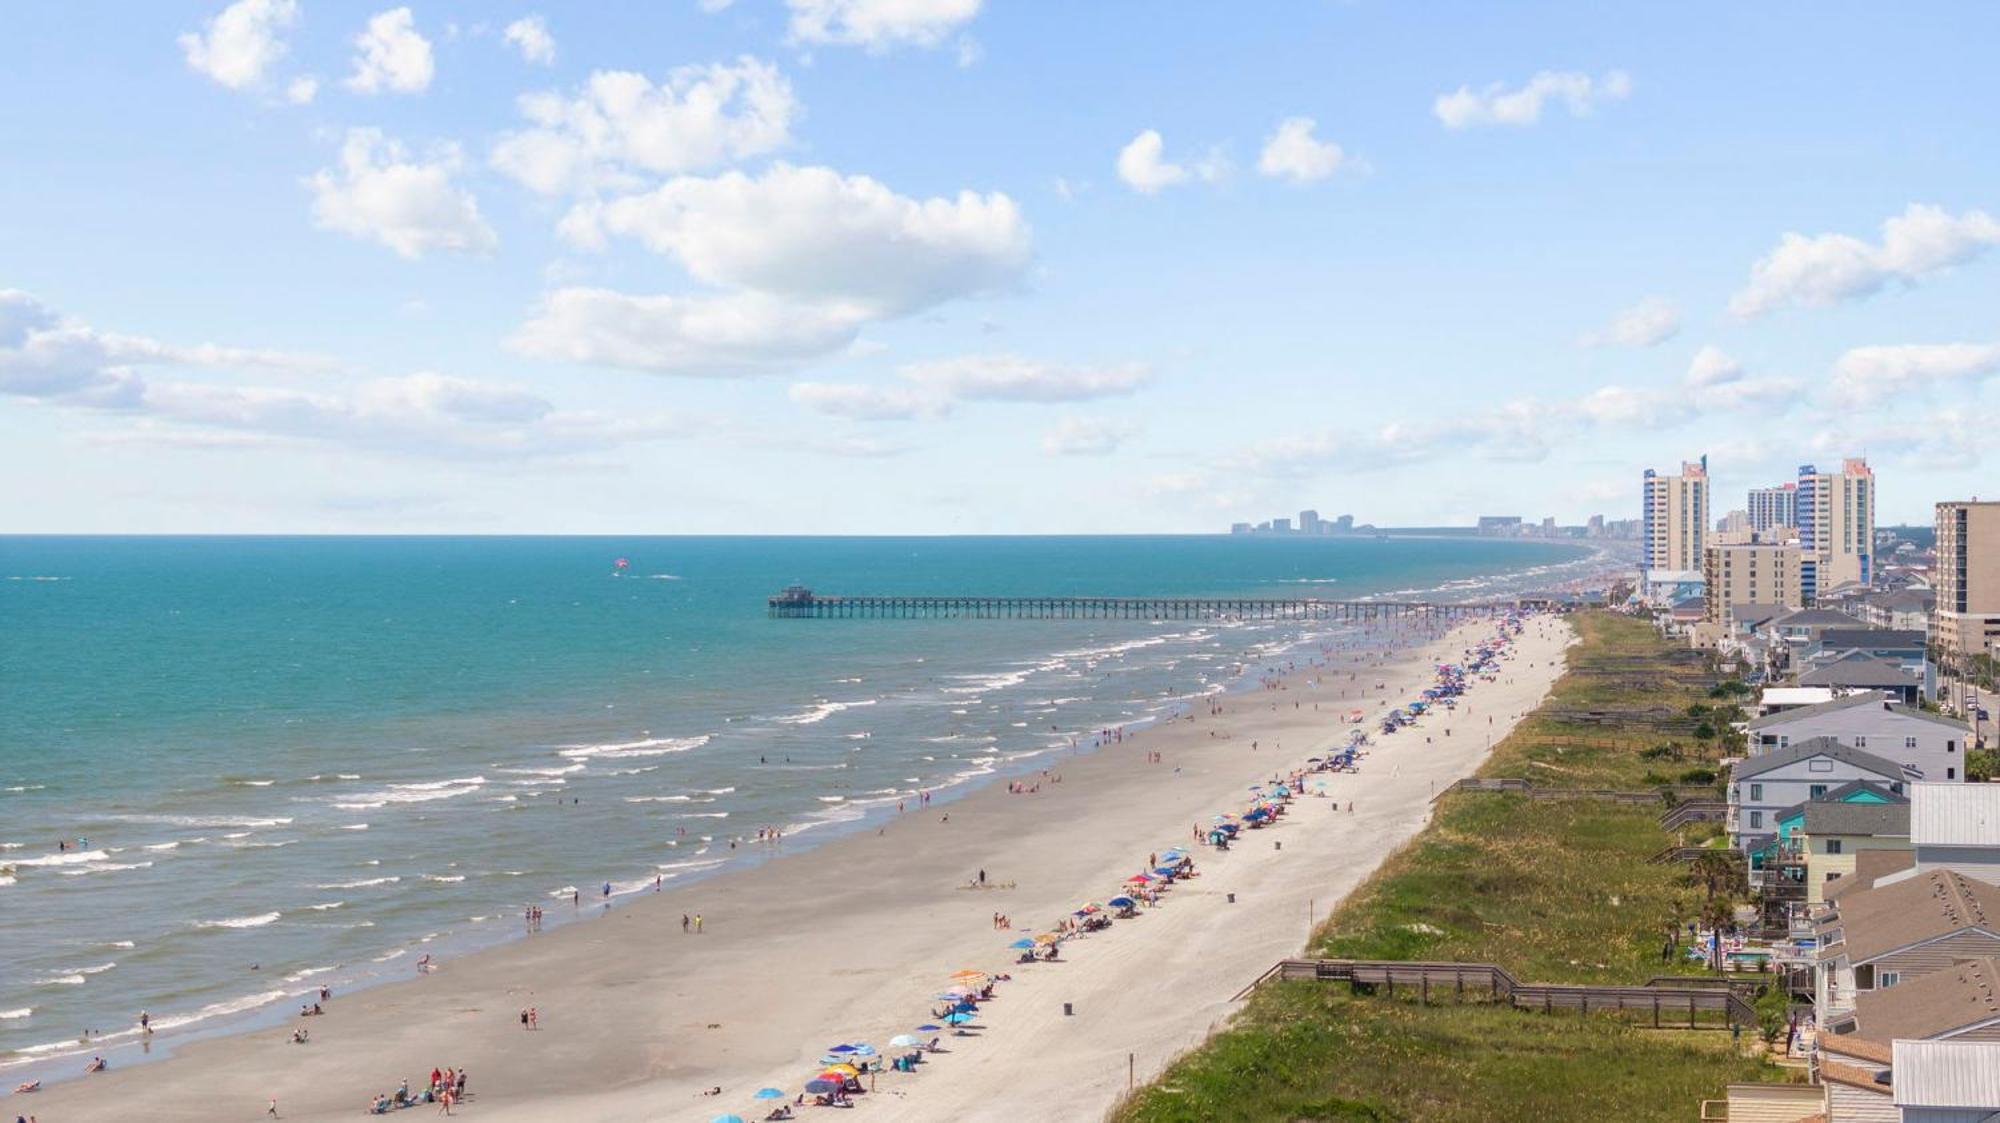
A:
(326, 756)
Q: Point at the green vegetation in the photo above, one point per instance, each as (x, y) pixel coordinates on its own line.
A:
(1321, 1054)
(1982, 764)
(1553, 890)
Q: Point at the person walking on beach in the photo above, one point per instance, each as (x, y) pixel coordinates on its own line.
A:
(982, 877)
(684, 924)
(534, 1018)
(697, 924)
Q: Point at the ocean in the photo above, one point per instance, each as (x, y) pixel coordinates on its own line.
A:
(322, 758)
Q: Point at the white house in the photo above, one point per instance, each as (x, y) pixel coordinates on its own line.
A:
(1947, 1081)
(1773, 781)
(1932, 747)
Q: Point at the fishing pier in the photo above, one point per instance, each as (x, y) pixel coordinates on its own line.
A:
(800, 603)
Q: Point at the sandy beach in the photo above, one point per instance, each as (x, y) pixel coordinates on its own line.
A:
(850, 940)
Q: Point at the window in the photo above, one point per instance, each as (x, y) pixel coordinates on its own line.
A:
(1756, 819)
(1951, 773)
(1864, 977)
(1784, 741)
(1757, 793)
(1909, 742)
(1833, 845)
(1861, 742)
(1885, 979)
(1816, 791)
(1819, 764)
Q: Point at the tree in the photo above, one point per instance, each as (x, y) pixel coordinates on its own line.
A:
(1982, 764)
(1716, 872)
(1718, 914)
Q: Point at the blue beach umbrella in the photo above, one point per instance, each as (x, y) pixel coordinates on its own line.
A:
(957, 1019)
(768, 1094)
(821, 1087)
(864, 1050)
(1116, 902)
(841, 1049)
(928, 1028)
(1023, 942)
(727, 1119)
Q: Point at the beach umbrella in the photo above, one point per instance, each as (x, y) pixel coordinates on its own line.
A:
(768, 1094)
(1047, 938)
(968, 975)
(958, 1019)
(727, 1119)
(904, 1040)
(965, 1008)
(842, 1069)
(1137, 879)
(928, 1029)
(820, 1086)
(1023, 942)
(864, 1050)
(1118, 902)
(841, 1049)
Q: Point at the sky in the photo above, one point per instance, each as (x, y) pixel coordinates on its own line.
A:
(979, 266)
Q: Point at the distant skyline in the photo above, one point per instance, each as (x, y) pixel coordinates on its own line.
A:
(946, 266)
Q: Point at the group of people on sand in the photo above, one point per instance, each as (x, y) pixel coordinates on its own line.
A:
(531, 1018)
(1002, 922)
(446, 1089)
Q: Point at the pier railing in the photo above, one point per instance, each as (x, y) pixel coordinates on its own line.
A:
(806, 605)
(1669, 1000)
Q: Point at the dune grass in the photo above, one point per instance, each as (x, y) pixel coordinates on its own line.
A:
(1555, 891)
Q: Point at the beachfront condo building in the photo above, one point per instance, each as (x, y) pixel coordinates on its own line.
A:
(1836, 521)
(1773, 507)
(1966, 619)
(1740, 573)
(1675, 517)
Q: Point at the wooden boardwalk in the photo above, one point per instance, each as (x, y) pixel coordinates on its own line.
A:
(1671, 1001)
(803, 604)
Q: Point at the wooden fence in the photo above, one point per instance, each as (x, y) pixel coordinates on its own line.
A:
(1671, 1001)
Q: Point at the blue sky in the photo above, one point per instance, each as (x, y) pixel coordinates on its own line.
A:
(864, 266)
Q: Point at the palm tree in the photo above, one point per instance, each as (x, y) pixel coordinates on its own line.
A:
(1715, 871)
(1718, 915)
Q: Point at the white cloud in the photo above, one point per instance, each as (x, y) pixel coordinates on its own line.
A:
(66, 363)
(411, 205)
(391, 55)
(302, 90)
(798, 261)
(1652, 321)
(621, 124)
(867, 403)
(530, 35)
(1085, 436)
(1143, 166)
(721, 336)
(1011, 378)
(47, 356)
(1828, 268)
(879, 25)
(933, 388)
(1497, 105)
(1712, 367)
(1870, 374)
(812, 234)
(241, 42)
(1294, 153)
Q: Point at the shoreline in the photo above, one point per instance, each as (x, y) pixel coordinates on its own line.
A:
(803, 944)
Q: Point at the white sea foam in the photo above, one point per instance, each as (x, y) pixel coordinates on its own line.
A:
(327, 906)
(201, 821)
(257, 921)
(619, 750)
(26, 787)
(448, 878)
(355, 827)
(253, 783)
(412, 793)
(562, 771)
(361, 884)
(23, 1012)
(219, 1009)
(704, 815)
(61, 858)
(105, 867)
(307, 973)
(61, 980)
(822, 711)
(121, 944)
(659, 799)
(397, 954)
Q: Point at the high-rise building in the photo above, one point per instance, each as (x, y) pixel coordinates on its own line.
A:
(1966, 620)
(1773, 506)
(1749, 573)
(1735, 522)
(1281, 526)
(1835, 513)
(1344, 523)
(1675, 519)
(1309, 523)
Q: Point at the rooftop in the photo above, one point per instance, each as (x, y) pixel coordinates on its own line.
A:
(1948, 1074)
(1955, 814)
(1964, 994)
(1858, 669)
(1878, 639)
(1825, 817)
(1874, 922)
(1849, 702)
(1812, 747)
